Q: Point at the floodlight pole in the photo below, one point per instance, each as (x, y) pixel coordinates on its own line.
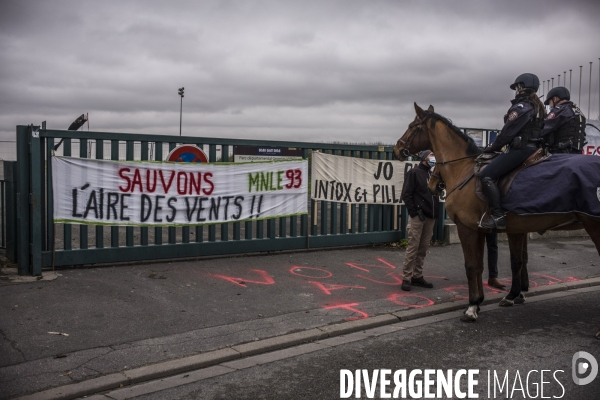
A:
(580, 69)
(180, 108)
(543, 87)
(570, 78)
(590, 92)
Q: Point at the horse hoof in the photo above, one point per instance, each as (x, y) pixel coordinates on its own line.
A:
(470, 314)
(506, 302)
(520, 299)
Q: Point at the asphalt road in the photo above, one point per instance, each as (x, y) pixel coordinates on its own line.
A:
(123, 317)
(506, 342)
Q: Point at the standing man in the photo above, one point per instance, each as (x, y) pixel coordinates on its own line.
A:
(491, 241)
(564, 126)
(421, 205)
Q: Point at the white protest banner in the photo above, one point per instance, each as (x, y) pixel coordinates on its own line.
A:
(592, 133)
(100, 192)
(357, 180)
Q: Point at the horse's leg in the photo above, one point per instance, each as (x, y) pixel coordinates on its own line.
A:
(472, 243)
(592, 227)
(524, 274)
(516, 242)
(480, 273)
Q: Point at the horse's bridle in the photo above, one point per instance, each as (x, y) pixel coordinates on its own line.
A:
(419, 127)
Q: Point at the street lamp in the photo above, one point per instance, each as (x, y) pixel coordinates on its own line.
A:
(75, 125)
(180, 109)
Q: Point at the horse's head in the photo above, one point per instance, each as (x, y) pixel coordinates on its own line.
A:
(416, 137)
(436, 184)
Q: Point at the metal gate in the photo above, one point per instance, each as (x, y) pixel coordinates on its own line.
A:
(41, 244)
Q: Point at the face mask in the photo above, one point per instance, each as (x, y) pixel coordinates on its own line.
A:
(431, 162)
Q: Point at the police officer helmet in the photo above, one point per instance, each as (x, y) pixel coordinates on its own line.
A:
(560, 92)
(527, 81)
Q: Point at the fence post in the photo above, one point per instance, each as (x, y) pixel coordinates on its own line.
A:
(22, 206)
(37, 200)
(10, 177)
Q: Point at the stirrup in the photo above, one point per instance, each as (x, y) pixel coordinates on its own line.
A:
(496, 222)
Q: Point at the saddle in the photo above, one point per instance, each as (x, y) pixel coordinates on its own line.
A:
(505, 181)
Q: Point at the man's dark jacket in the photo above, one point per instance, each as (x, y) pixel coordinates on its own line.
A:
(415, 193)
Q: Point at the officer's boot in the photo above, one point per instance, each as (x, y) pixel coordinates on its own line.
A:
(496, 220)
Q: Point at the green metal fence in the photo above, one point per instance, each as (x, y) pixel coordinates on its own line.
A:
(2, 214)
(42, 244)
(8, 214)
(3, 227)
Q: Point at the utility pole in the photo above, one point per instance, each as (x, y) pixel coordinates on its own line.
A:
(579, 102)
(590, 91)
(570, 78)
(180, 109)
(543, 87)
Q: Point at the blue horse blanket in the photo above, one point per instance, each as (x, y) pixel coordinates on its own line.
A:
(562, 183)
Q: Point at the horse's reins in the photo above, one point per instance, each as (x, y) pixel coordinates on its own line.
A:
(458, 159)
(459, 186)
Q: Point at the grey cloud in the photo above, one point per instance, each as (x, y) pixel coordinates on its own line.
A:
(271, 69)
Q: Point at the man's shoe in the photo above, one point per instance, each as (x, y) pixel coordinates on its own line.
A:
(420, 282)
(495, 283)
(406, 286)
(494, 223)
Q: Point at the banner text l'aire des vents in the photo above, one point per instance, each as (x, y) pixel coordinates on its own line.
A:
(101, 192)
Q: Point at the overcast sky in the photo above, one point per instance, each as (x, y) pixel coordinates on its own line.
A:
(287, 70)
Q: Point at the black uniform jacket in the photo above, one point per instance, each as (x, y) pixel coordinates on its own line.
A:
(518, 115)
(557, 117)
(415, 193)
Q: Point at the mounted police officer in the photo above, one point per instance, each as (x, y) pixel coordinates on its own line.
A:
(564, 127)
(522, 125)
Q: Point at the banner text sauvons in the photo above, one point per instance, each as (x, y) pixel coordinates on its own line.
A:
(147, 193)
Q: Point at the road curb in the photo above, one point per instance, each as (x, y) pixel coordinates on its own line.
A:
(215, 357)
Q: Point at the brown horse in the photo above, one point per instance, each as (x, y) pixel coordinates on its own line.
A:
(455, 153)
